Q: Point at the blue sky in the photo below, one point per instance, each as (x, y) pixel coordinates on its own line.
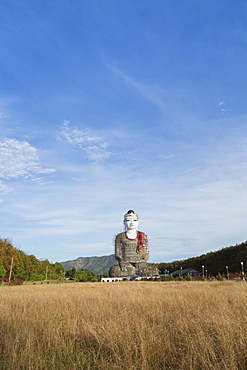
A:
(113, 105)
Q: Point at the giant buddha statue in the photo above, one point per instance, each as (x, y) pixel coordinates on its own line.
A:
(131, 250)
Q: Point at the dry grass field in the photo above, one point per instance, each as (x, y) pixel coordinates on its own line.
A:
(126, 325)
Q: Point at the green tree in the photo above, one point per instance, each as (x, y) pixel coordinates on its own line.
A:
(59, 270)
(2, 270)
(71, 273)
(81, 276)
(37, 277)
(86, 275)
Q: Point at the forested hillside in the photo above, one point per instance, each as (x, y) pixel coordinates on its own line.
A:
(213, 262)
(26, 267)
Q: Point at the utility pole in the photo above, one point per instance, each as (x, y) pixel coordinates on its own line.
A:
(242, 268)
(11, 267)
(227, 273)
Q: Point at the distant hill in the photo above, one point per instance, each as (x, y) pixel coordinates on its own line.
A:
(213, 262)
(95, 264)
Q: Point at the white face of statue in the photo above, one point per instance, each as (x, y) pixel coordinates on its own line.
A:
(131, 223)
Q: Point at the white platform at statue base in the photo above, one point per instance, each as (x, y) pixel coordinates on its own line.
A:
(116, 279)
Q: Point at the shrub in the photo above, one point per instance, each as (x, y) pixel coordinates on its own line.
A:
(5, 281)
(219, 276)
(16, 282)
(189, 277)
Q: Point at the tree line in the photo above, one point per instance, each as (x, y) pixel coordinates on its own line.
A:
(213, 262)
(29, 268)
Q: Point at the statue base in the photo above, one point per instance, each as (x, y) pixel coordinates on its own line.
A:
(127, 269)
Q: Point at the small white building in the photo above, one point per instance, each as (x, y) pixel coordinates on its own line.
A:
(113, 279)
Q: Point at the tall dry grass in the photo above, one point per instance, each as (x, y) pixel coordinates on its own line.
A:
(126, 325)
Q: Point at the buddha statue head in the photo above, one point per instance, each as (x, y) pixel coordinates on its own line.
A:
(131, 221)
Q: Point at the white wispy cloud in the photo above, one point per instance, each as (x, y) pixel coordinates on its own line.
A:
(153, 93)
(174, 103)
(77, 137)
(222, 106)
(94, 147)
(4, 189)
(3, 115)
(4, 103)
(19, 159)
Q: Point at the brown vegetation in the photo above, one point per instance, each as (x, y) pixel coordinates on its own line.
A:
(126, 325)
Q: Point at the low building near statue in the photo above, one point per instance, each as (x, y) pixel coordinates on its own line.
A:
(184, 272)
